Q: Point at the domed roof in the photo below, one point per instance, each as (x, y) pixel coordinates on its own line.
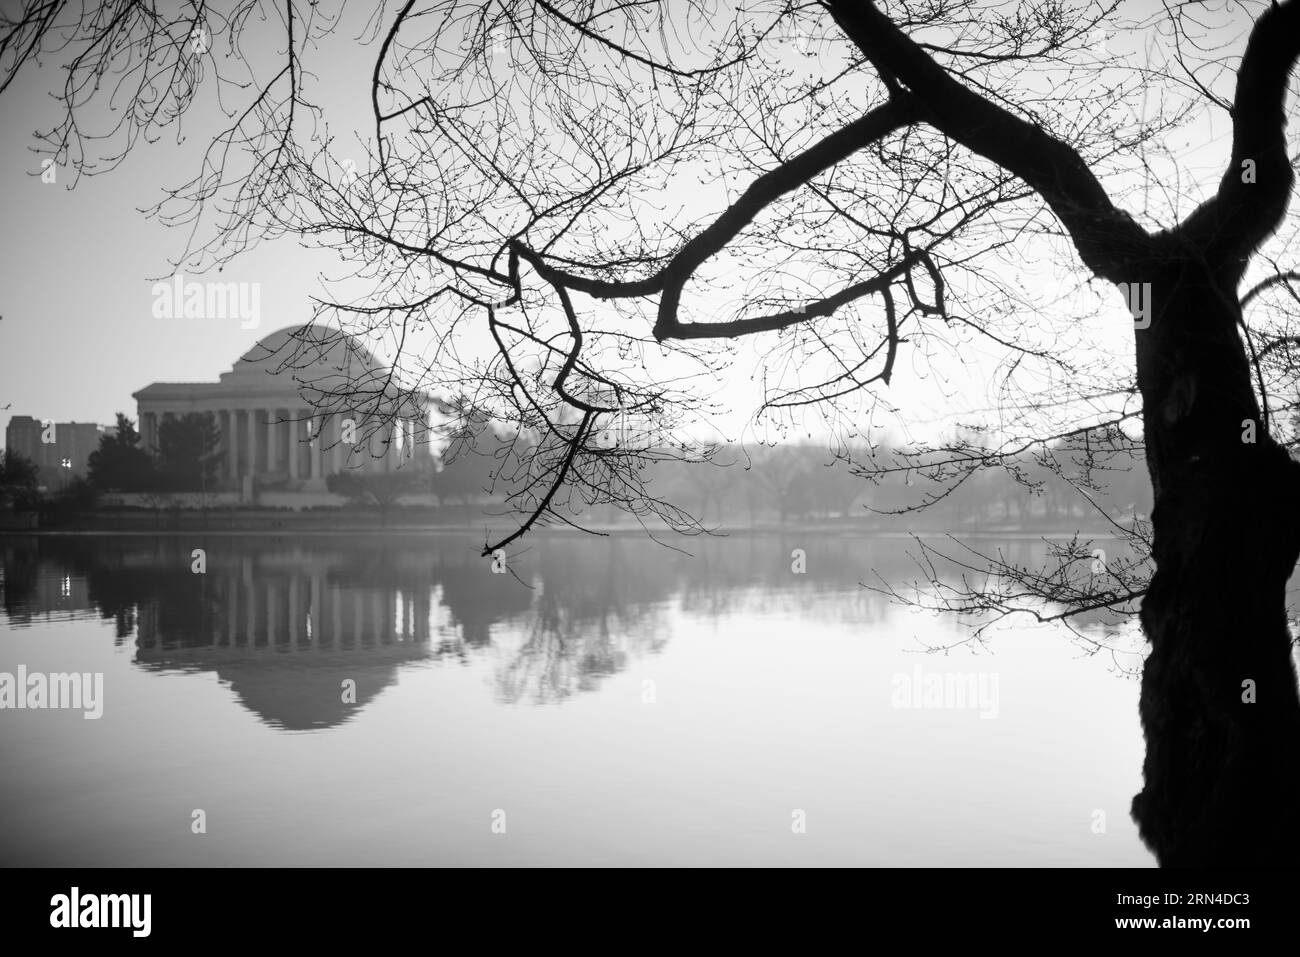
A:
(305, 346)
(326, 367)
(321, 365)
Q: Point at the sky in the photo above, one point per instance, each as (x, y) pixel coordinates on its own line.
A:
(78, 335)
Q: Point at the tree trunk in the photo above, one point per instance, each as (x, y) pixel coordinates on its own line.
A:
(1219, 702)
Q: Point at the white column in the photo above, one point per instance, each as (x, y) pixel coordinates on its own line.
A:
(328, 428)
(252, 441)
(263, 417)
(313, 453)
(223, 429)
(148, 430)
(232, 444)
(272, 427)
(294, 430)
(237, 445)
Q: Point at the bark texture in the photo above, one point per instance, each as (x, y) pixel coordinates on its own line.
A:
(1219, 702)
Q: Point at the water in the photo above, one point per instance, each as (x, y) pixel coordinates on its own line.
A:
(607, 702)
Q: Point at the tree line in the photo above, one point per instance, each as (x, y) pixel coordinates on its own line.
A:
(737, 486)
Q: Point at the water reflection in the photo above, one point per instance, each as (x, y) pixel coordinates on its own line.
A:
(283, 621)
(527, 691)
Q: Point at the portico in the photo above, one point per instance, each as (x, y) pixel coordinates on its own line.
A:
(288, 425)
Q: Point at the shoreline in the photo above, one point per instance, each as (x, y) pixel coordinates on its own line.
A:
(318, 525)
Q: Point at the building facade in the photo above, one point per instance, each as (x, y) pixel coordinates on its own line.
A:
(59, 449)
(303, 404)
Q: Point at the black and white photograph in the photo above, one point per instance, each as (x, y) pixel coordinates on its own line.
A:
(502, 435)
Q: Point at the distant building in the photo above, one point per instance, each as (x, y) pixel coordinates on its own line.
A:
(59, 449)
(287, 412)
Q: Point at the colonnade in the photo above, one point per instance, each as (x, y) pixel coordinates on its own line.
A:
(284, 441)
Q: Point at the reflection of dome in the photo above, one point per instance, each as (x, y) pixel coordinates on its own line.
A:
(293, 692)
(289, 696)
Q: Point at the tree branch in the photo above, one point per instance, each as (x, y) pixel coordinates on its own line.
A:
(1106, 238)
(1243, 214)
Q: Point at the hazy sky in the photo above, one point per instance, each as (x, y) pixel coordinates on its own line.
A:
(78, 337)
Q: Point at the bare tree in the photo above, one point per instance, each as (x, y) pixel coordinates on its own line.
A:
(605, 198)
